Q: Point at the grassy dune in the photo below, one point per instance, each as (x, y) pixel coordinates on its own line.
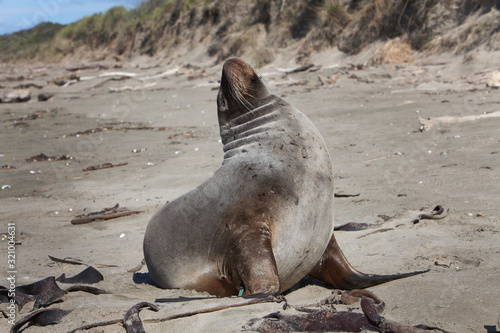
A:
(255, 28)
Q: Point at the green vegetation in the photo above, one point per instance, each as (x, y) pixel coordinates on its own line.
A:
(27, 44)
(98, 29)
(189, 4)
(232, 28)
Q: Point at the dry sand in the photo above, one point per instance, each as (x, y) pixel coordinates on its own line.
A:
(370, 121)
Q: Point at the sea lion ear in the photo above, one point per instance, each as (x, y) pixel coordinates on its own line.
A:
(221, 102)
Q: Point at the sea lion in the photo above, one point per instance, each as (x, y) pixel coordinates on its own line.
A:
(264, 220)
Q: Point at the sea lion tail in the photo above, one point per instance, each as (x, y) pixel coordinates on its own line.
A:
(334, 269)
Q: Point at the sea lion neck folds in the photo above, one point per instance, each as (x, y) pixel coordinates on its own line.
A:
(250, 127)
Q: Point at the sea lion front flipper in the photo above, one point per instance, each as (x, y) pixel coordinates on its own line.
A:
(333, 268)
(253, 265)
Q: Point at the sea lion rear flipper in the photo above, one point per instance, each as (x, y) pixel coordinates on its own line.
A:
(334, 269)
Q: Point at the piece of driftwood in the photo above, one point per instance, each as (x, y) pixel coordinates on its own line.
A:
(103, 166)
(105, 214)
(176, 316)
(42, 97)
(132, 321)
(302, 68)
(27, 86)
(437, 213)
(328, 80)
(125, 88)
(42, 157)
(87, 66)
(16, 96)
(351, 226)
(73, 261)
(344, 195)
(87, 289)
(63, 80)
(427, 124)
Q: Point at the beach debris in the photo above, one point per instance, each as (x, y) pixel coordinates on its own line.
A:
(42, 97)
(68, 260)
(103, 166)
(16, 96)
(351, 226)
(105, 214)
(99, 324)
(27, 86)
(140, 150)
(385, 217)
(372, 312)
(42, 157)
(127, 75)
(427, 124)
(302, 68)
(44, 292)
(87, 289)
(132, 321)
(66, 80)
(7, 167)
(42, 317)
(76, 68)
(89, 276)
(436, 214)
(125, 88)
(138, 267)
(75, 261)
(342, 195)
(92, 131)
(37, 114)
(329, 80)
(494, 81)
(180, 315)
(322, 320)
(436, 263)
(4, 187)
(20, 299)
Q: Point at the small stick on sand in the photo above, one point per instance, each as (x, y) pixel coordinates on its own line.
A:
(106, 216)
(182, 315)
(103, 166)
(426, 124)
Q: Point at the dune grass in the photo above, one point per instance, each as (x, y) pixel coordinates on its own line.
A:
(161, 24)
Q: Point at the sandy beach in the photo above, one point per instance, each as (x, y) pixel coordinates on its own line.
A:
(159, 130)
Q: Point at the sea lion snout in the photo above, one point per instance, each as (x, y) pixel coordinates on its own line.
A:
(241, 87)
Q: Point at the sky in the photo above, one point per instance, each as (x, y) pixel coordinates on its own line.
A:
(18, 15)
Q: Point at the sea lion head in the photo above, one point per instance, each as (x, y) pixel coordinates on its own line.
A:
(241, 90)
